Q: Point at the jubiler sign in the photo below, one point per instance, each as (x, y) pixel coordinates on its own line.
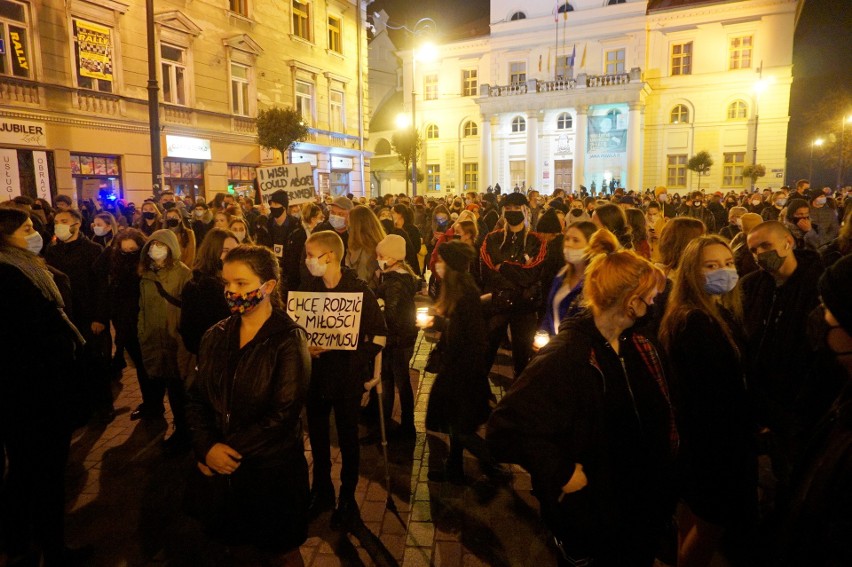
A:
(297, 179)
(22, 132)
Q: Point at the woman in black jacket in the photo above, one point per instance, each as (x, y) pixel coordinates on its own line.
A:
(717, 465)
(397, 286)
(243, 414)
(459, 400)
(403, 218)
(590, 420)
(203, 297)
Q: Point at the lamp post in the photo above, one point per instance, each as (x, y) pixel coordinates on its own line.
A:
(426, 53)
(843, 122)
(815, 142)
(153, 102)
(759, 86)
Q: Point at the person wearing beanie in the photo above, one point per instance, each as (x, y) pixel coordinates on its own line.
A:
(823, 217)
(669, 209)
(459, 400)
(396, 289)
(279, 227)
(512, 264)
(338, 219)
(819, 503)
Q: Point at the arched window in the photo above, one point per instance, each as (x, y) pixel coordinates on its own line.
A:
(431, 132)
(519, 124)
(518, 16)
(566, 7)
(383, 147)
(614, 2)
(564, 121)
(679, 115)
(737, 110)
(470, 129)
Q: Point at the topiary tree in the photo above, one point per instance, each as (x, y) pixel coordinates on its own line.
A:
(280, 129)
(753, 172)
(407, 144)
(700, 163)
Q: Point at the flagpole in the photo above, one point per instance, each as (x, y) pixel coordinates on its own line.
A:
(556, 43)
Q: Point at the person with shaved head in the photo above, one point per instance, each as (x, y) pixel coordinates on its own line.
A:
(777, 300)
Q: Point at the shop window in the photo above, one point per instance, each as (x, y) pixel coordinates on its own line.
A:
(16, 58)
(184, 177)
(96, 176)
(93, 56)
(241, 179)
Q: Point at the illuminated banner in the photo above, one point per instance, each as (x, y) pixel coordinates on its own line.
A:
(297, 179)
(20, 57)
(607, 133)
(189, 148)
(94, 50)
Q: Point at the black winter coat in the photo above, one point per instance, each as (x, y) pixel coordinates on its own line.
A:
(77, 260)
(340, 374)
(414, 242)
(511, 270)
(579, 402)
(293, 266)
(251, 398)
(397, 290)
(203, 305)
(118, 292)
(459, 400)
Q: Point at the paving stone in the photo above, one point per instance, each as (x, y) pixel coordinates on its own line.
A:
(447, 554)
(420, 534)
(417, 557)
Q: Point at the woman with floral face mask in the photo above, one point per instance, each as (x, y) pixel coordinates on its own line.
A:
(163, 353)
(717, 480)
(244, 415)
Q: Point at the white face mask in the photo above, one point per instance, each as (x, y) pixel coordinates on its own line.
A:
(34, 242)
(573, 256)
(316, 268)
(241, 235)
(820, 201)
(663, 197)
(101, 230)
(383, 265)
(199, 213)
(158, 253)
(337, 221)
(62, 232)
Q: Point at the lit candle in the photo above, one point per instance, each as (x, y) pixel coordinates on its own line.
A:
(422, 316)
(541, 339)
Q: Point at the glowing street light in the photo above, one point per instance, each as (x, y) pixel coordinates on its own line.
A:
(816, 142)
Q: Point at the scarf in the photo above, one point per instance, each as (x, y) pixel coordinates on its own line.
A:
(30, 265)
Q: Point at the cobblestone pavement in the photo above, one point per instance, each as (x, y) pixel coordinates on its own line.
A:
(125, 499)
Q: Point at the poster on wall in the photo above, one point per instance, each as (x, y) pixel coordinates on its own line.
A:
(94, 50)
(42, 176)
(10, 180)
(607, 132)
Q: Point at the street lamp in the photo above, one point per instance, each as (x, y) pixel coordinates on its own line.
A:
(759, 87)
(816, 142)
(843, 122)
(425, 53)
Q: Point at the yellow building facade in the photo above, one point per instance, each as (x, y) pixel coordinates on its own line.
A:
(73, 93)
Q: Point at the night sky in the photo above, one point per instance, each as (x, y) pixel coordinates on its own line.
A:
(822, 53)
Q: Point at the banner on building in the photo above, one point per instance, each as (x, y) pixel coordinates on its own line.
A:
(297, 179)
(18, 51)
(331, 320)
(94, 50)
(16, 132)
(607, 133)
(42, 176)
(10, 180)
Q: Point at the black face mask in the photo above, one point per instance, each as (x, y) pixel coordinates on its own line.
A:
(169, 205)
(576, 212)
(514, 218)
(149, 215)
(172, 223)
(276, 212)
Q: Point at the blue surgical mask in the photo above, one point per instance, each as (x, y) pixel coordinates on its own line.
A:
(721, 281)
(34, 242)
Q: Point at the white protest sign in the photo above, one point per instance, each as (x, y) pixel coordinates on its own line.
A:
(332, 320)
(42, 177)
(297, 179)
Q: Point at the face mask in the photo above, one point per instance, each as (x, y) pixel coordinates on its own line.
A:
(662, 198)
(297, 215)
(820, 201)
(573, 256)
(149, 215)
(316, 268)
(336, 221)
(514, 218)
(172, 223)
(243, 303)
(62, 232)
(576, 212)
(130, 257)
(440, 270)
(101, 230)
(385, 264)
(169, 205)
(34, 242)
(780, 203)
(720, 281)
(158, 253)
(442, 223)
(755, 202)
(276, 212)
(199, 213)
(770, 261)
(240, 235)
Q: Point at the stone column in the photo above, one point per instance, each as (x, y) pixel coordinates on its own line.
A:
(485, 151)
(634, 146)
(532, 149)
(495, 165)
(579, 163)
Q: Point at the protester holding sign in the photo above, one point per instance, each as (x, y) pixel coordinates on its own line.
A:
(338, 376)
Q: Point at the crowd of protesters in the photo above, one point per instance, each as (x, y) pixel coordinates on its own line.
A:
(680, 363)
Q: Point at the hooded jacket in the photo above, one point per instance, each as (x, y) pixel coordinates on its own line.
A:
(159, 319)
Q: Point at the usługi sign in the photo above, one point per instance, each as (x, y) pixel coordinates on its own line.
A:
(331, 320)
(297, 179)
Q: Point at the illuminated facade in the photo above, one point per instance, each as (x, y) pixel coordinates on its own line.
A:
(607, 93)
(78, 70)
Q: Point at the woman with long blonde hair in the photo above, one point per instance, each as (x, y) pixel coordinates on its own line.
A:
(717, 472)
(365, 233)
